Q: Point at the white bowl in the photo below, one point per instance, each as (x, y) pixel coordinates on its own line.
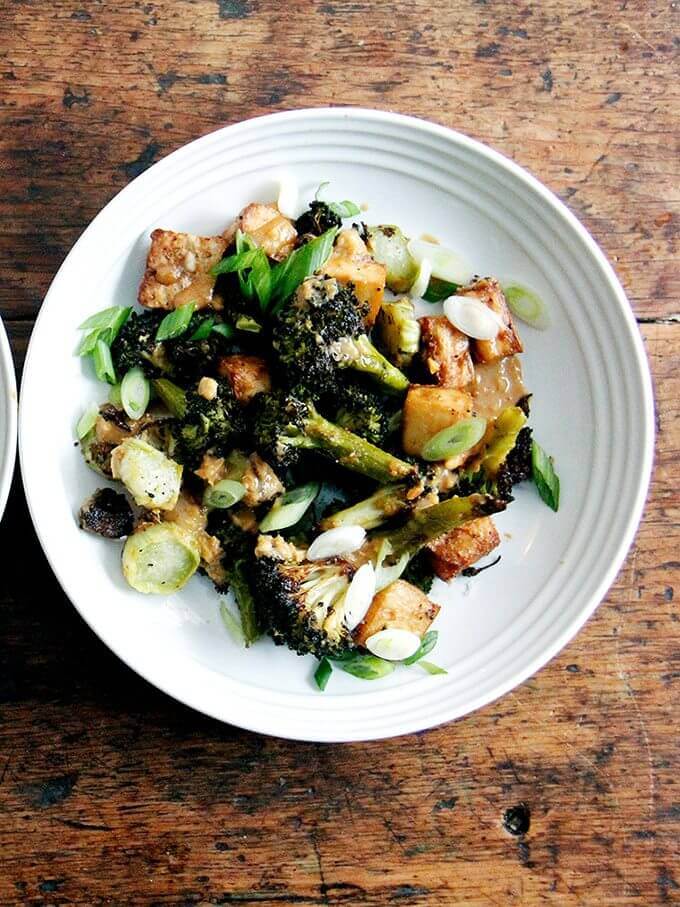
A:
(8, 418)
(592, 409)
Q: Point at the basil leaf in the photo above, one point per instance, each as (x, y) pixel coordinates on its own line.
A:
(437, 290)
(103, 363)
(224, 330)
(427, 644)
(544, 476)
(238, 262)
(204, 329)
(367, 667)
(289, 274)
(344, 209)
(431, 668)
(323, 673)
(176, 322)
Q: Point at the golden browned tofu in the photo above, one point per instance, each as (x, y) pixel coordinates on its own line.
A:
(399, 605)
(427, 410)
(351, 262)
(268, 229)
(489, 291)
(463, 547)
(248, 375)
(445, 352)
(177, 270)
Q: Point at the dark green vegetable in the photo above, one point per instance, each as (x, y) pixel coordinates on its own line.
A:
(365, 413)
(300, 264)
(438, 290)
(545, 478)
(172, 396)
(103, 364)
(368, 667)
(104, 325)
(285, 425)
(419, 572)
(136, 346)
(427, 644)
(204, 328)
(319, 218)
(175, 323)
(323, 673)
(208, 425)
(241, 261)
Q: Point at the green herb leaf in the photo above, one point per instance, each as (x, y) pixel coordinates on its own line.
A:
(103, 363)
(224, 330)
(344, 209)
(204, 329)
(289, 274)
(238, 262)
(431, 668)
(454, 440)
(544, 476)
(86, 422)
(367, 667)
(437, 290)
(176, 322)
(427, 644)
(323, 673)
(135, 393)
(223, 494)
(172, 396)
(232, 624)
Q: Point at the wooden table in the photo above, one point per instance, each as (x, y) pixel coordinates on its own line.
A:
(111, 793)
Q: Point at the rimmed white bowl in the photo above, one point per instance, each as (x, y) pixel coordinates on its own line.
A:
(8, 418)
(592, 409)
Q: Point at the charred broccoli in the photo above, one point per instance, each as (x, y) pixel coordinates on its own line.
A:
(419, 572)
(190, 358)
(136, 344)
(506, 460)
(285, 424)
(364, 413)
(303, 604)
(320, 333)
(318, 218)
(215, 424)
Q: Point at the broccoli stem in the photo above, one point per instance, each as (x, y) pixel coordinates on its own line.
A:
(353, 452)
(430, 523)
(360, 355)
(237, 577)
(386, 502)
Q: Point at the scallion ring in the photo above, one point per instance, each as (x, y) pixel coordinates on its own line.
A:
(135, 393)
(223, 494)
(454, 440)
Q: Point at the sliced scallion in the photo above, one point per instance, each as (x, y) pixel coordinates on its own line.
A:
(323, 673)
(204, 329)
(545, 478)
(427, 644)
(114, 396)
(86, 422)
(135, 393)
(290, 507)
(223, 494)
(103, 363)
(454, 440)
(176, 322)
(224, 330)
(527, 306)
(431, 668)
(172, 396)
(248, 323)
(367, 667)
(232, 624)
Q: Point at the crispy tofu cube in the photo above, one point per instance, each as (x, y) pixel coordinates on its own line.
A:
(445, 352)
(177, 270)
(460, 548)
(351, 262)
(427, 410)
(489, 291)
(398, 605)
(248, 375)
(268, 229)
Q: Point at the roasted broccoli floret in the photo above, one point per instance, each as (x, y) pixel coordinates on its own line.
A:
(506, 460)
(317, 219)
(136, 345)
(364, 413)
(419, 572)
(284, 425)
(321, 332)
(189, 359)
(303, 604)
(215, 424)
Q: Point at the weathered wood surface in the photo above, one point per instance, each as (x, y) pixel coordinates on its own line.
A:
(110, 793)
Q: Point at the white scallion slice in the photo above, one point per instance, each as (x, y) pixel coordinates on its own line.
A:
(223, 494)
(135, 392)
(393, 644)
(446, 264)
(86, 422)
(335, 542)
(160, 559)
(454, 440)
(287, 202)
(472, 317)
(359, 596)
(386, 574)
(290, 507)
(527, 306)
(421, 283)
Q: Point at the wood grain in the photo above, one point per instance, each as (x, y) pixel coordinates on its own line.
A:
(110, 793)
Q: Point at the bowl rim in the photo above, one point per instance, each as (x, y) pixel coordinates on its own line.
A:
(9, 446)
(642, 376)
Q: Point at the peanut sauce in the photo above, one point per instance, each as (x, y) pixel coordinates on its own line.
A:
(497, 385)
